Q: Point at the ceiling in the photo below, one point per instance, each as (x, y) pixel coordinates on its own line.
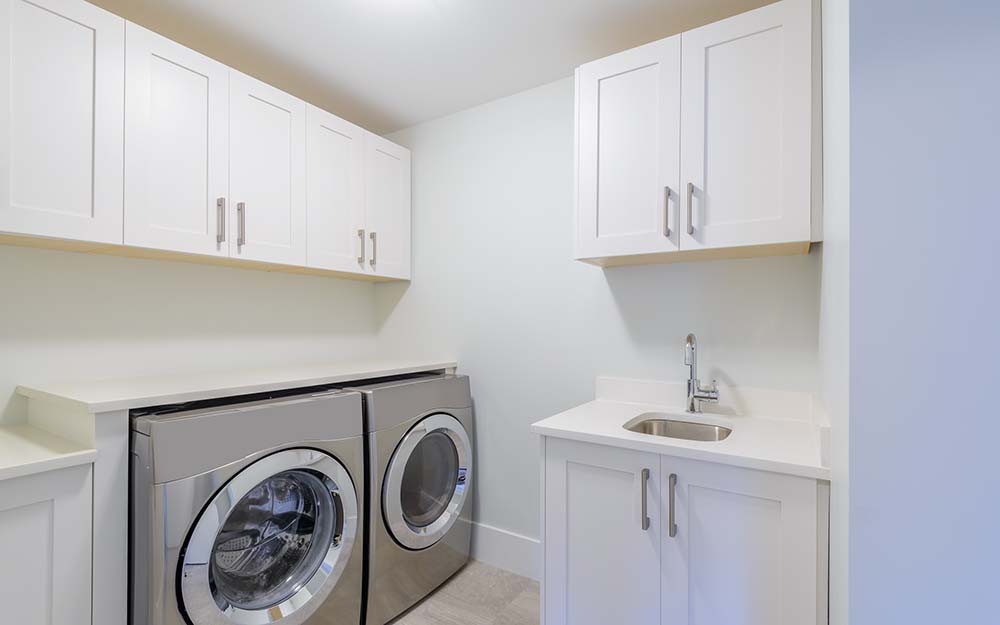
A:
(389, 64)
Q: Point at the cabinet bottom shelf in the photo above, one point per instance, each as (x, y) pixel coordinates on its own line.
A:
(108, 249)
(680, 256)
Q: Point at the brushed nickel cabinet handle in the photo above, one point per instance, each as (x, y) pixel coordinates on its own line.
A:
(690, 225)
(241, 216)
(666, 211)
(361, 235)
(220, 220)
(374, 248)
(671, 525)
(643, 512)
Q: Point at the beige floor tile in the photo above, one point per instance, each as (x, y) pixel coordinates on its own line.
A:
(479, 594)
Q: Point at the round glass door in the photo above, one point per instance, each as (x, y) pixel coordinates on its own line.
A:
(272, 543)
(426, 481)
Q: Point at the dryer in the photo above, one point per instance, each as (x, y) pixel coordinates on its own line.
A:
(420, 439)
(249, 513)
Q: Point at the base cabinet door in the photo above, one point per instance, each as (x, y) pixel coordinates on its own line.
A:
(628, 144)
(387, 208)
(602, 555)
(176, 146)
(746, 129)
(45, 539)
(742, 546)
(267, 137)
(62, 82)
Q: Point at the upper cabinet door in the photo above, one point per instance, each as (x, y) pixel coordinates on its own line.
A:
(176, 146)
(61, 111)
(746, 128)
(743, 549)
(628, 122)
(335, 153)
(267, 206)
(387, 207)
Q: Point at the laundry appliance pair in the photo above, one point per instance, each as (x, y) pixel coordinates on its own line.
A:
(338, 506)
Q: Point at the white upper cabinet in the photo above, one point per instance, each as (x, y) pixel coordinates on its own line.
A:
(61, 111)
(628, 151)
(335, 152)
(176, 146)
(267, 137)
(113, 134)
(701, 145)
(387, 208)
(747, 123)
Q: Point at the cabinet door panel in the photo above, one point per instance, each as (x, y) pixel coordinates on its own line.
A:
(336, 211)
(61, 112)
(45, 536)
(267, 172)
(387, 207)
(745, 547)
(601, 566)
(746, 128)
(628, 150)
(176, 146)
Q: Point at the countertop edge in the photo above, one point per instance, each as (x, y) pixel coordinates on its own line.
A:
(665, 449)
(139, 400)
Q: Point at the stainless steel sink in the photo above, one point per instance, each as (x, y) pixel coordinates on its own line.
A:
(659, 425)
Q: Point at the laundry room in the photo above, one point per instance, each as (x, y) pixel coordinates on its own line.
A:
(443, 312)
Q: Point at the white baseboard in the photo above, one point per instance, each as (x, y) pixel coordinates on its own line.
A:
(507, 550)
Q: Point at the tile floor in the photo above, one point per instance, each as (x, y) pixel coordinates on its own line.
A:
(479, 594)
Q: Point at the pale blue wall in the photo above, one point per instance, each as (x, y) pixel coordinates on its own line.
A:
(925, 312)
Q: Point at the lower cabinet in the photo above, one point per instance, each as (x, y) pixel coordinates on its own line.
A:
(639, 538)
(45, 539)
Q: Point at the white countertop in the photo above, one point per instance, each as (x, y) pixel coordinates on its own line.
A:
(782, 445)
(25, 450)
(123, 394)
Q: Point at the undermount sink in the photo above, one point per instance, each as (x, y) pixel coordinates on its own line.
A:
(659, 425)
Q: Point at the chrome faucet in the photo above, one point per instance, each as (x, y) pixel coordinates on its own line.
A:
(696, 393)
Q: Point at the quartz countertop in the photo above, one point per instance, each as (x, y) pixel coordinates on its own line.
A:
(26, 450)
(124, 394)
(778, 444)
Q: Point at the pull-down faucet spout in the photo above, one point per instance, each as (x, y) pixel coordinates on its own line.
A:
(696, 393)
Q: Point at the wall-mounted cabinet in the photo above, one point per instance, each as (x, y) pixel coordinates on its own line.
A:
(358, 199)
(176, 146)
(702, 145)
(120, 141)
(61, 111)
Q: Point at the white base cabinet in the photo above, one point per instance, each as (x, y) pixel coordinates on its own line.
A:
(45, 539)
(640, 538)
(702, 145)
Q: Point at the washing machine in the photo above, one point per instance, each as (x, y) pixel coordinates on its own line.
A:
(420, 445)
(249, 513)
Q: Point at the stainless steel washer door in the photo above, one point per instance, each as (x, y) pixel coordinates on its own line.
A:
(272, 543)
(427, 480)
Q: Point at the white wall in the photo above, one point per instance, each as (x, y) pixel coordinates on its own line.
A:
(925, 305)
(78, 316)
(494, 284)
(834, 324)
